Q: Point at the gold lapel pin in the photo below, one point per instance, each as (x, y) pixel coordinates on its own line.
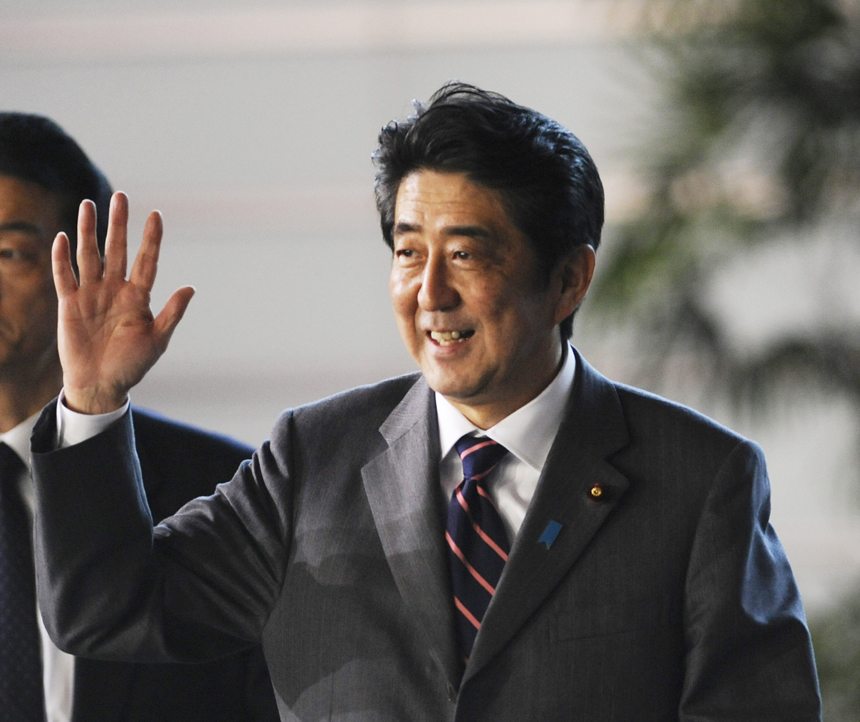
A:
(596, 492)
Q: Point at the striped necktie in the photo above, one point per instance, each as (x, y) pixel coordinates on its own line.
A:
(21, 693)
(476, 537)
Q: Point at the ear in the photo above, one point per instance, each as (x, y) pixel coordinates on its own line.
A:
(574, 274)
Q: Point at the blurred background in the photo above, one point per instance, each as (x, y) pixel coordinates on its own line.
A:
(727, 133)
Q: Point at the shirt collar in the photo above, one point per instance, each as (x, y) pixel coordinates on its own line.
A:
(527, 433)
(18, 439)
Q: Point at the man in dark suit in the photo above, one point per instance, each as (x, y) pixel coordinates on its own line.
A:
(44, 175)
(507, 535)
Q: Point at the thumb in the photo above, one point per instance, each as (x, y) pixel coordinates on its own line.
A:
(166, 321)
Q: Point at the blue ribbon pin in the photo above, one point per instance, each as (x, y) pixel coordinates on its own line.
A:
(550, 533)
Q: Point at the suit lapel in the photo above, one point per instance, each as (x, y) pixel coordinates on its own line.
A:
(592, 430)
(402, 486)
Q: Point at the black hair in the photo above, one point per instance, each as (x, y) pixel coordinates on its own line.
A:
(546, 177)
(34, 148)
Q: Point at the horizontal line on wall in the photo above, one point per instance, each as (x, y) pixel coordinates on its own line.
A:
(312, 209)
(336, 28)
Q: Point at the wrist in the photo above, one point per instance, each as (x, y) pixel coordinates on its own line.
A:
(85, 401)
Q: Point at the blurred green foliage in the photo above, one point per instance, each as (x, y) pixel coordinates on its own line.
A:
(836, 638)
(760, 142)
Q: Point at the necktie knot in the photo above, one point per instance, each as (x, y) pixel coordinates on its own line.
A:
(479, 455)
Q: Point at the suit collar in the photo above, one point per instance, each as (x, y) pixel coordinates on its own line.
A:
(529, 431)
(402, 487)
(593, 429)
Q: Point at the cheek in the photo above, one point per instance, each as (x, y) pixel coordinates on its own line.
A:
(495, 308)
(43, 313)
(512, 316)
(37, 323)
(403, 295)
(30, 296)
(45, 296)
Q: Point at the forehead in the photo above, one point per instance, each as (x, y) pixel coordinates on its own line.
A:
(433, 200)
(28, 204)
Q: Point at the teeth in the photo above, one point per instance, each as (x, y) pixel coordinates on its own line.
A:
(445, 338)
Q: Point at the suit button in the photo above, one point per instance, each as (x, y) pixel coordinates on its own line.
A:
(452, 694)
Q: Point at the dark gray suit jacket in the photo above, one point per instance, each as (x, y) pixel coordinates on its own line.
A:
(670, 598)
(178, 463)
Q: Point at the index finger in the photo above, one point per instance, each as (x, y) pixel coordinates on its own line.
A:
(61, 265)
(146, 262)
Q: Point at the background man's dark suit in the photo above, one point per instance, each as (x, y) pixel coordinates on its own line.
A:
(177, 463)
(44, 175)
(669, 598)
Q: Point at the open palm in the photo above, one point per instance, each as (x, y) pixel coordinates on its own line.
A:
(108, 337)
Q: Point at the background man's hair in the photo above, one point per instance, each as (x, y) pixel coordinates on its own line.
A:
(546, 177)
(34, 148)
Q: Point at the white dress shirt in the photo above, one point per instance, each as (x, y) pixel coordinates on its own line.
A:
(527, 434)
(58, 668)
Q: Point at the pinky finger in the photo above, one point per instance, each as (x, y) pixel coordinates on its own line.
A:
(61, 259)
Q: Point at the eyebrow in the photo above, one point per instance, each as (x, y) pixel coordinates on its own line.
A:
(400, 228)
(20, 226)
(477, 232)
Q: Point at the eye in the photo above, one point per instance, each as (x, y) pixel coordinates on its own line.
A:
(13, 254)
(13, 257)
(407, 258)
(462, 255)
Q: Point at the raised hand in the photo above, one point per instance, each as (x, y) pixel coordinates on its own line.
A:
(107, 335)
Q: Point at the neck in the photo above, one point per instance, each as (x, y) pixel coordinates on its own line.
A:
(486, 413)
(22, 396)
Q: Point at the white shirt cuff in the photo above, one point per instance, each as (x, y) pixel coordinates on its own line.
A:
(74, 428)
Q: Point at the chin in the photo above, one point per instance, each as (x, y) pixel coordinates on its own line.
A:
(462, 390)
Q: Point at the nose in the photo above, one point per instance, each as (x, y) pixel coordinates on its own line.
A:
(437, 292)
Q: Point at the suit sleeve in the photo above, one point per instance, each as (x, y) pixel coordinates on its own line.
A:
(196, 587)
(749, 654)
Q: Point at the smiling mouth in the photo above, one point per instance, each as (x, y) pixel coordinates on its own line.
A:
(448, 338)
